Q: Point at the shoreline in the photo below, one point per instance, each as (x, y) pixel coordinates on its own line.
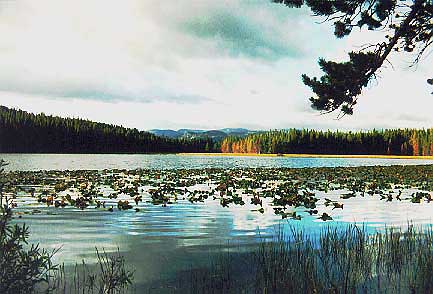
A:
(291, 155)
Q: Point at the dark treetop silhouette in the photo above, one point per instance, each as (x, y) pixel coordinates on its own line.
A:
(409, 27)
(24, 132)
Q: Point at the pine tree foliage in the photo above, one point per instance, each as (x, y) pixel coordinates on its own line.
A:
(409, 28)
(374, 142)
(24, 132)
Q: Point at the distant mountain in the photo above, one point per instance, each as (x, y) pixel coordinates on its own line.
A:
(216, 135)
(165, 133)
(236, 130)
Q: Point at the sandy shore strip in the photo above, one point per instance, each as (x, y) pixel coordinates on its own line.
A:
(310, 155)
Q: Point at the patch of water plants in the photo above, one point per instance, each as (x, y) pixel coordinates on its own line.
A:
(290, 192)
(27, 268)
(339, 260)
(343, 259)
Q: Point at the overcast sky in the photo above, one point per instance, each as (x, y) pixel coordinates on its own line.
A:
(189, 64)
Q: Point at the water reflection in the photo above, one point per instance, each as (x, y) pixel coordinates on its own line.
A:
(170, 161)
(159, 242)
(186, 224)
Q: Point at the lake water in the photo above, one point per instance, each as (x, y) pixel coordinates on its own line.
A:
(171, 161)
(161, 241)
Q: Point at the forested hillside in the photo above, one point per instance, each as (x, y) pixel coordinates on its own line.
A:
(382, 142)
(21, 131)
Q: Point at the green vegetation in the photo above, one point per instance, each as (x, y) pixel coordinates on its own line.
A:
(288, 192)
(408, 26)
(21, 268)
(27, 268)
(375, 142)
(110, 275)
(338, 260)
(23, 132)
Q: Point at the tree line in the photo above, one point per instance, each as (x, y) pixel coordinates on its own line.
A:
(305, 141)
(24, 132)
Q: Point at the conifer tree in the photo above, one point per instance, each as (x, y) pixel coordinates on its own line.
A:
(409, 28)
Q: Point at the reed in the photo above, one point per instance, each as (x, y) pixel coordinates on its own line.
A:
(338, 260)
(27, 268)
(110, 275)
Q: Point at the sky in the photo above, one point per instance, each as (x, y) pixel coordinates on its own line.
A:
(191, 64)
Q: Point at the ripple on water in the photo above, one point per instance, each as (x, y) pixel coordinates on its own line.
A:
(188, 229)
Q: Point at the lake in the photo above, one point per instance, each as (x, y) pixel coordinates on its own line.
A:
(159, 242)
(172, 161)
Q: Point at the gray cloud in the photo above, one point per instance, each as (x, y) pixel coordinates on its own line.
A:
(158, 52)
(202, 57)
(111, 97)
(100, 93)
(239, 35)
(411, 117)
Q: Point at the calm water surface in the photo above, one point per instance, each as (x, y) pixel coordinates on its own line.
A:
(171, 161)
(161, 241)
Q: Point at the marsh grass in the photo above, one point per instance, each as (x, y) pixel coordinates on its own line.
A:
(22, 266)
(110, 275)
(338, 260)
(27, 268)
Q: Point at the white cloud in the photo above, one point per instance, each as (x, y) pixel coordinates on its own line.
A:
(172, 64)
